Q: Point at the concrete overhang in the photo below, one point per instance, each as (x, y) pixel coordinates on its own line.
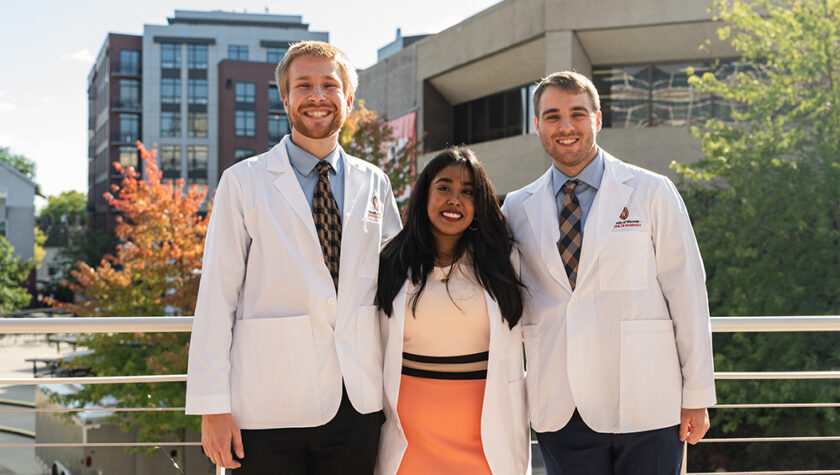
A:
(655, 43)
(506, 69)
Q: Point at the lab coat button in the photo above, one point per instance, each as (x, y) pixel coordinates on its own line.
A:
(331, 300)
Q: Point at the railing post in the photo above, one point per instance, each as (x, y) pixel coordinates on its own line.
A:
(684, 469)
(220, 470)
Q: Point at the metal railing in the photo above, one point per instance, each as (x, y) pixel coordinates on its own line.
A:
(184, 324)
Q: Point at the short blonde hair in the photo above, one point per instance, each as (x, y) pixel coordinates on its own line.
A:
(349, 78)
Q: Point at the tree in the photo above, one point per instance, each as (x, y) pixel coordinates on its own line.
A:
(18, 162)
(61, 213)
(154, 271)
(366, 134)
(12, 274)
(766, 205)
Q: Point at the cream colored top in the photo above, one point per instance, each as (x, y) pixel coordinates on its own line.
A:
(451, 321)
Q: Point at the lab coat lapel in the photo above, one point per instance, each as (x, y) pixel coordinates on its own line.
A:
(355, 197)
(287, 184)
(541, 210)
(612, 197)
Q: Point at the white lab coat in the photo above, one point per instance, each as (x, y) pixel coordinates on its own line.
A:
(271, 341)
(505, 433)
(631, 344)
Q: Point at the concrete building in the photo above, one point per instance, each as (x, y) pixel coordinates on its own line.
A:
(471, 83)
(198, 87)
(17, 210)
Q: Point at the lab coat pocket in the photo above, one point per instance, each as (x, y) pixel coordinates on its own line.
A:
(650, 379)
(532, 367)
(273, 377)
(623, 263)
(369, 346)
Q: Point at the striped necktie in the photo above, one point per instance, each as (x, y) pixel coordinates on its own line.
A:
(570, 230)
(327, 220)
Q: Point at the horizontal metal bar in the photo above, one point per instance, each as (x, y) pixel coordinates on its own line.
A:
(105, 444)
(810, 323)
(97, 409)
(782, 472)
(777, 405)
(778, 375)
(163, 378)
(824, 438)
(96, 325)
(184, 324)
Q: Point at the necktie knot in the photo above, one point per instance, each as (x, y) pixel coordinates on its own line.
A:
(323, 167)
(569, 186)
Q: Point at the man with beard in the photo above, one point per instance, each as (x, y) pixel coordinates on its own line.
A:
(617, 331)
(285, 363)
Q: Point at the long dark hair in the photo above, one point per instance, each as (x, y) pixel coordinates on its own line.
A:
(411, 253)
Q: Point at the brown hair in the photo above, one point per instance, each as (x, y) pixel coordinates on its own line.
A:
(568, 81)
(349, 78)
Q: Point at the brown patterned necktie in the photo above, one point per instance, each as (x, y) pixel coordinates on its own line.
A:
(570, 230)
(327, 220)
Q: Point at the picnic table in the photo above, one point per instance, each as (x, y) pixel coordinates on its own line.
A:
(58, 340)
(53, 364)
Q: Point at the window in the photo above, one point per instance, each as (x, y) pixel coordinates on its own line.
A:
(658, 94)
(493, 117)
(128, 157)
(275, 102)
(129, 128)
(197, 164)
(3, 194)
(238, 52)
(243, 153)
(170, 124)
(170, 90)
(197, 124)
(129, 94)
(170, 161)
(278, 126)
(129, 61)
(245, 123)
(170, 55)
(197, 91)
(245, 91)
(197, 56)
(274, 54)
(4, 230)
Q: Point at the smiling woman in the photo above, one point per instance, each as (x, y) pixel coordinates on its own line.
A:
(450, 302)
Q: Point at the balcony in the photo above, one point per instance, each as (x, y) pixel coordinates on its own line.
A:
(126, 105)
(184, 324)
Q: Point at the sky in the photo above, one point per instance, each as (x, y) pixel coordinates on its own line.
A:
(47, 48)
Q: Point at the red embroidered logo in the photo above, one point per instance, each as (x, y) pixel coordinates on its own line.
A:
(376, 203)
(624, 213)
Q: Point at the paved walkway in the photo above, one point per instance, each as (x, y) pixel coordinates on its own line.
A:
(14, 350)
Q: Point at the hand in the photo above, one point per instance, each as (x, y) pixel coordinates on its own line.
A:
(693, 424)
(217, 433)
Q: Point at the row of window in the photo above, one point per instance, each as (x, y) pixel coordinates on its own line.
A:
(170, 91)
(170, 124)
(129, 62)
(245, 121)
(170, 163)
(631, 96)
(170, 55)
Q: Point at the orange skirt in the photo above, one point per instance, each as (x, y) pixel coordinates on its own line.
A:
(442, 422)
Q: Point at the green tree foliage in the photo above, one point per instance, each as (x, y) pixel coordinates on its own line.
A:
(12, 274)
(18, 162)
(367, 135)
(768, 224)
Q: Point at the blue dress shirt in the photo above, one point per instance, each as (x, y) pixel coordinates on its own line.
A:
(303, 163)
(590, 178)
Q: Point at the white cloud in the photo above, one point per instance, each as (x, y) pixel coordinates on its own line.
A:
(2, 92)
(83, 55)
(6, 107)
(48, 99)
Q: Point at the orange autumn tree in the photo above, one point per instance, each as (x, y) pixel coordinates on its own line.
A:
(154, 271)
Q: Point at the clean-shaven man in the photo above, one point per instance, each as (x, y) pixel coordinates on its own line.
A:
(617, 331)
(285, 364)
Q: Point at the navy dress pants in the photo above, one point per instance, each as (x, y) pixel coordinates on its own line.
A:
(578, 450)
(347, 444)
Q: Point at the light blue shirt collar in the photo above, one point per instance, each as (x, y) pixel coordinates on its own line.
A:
(591, 175)
(304, 162)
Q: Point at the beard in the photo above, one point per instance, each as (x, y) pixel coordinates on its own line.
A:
(298, 122)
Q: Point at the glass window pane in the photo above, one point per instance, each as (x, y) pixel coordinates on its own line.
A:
(128, 157)
(197, 91)
(129, 61)
(243, 153)
(129, 128)
(238, 52)
(197, 124)
(274, 55)
(170, 161)
(170, 124)
(170, 91)
(275, 102)
(170, 55)
(278, 126)
(245, 91)
(625, 93)
(245, 123)
(129, 94)
(675, 102)
(197, 56)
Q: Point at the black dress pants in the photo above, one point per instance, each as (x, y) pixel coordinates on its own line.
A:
(345, 445)
(578, 450)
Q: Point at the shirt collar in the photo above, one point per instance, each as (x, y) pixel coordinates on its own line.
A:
(304, 162)
(591, 175)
